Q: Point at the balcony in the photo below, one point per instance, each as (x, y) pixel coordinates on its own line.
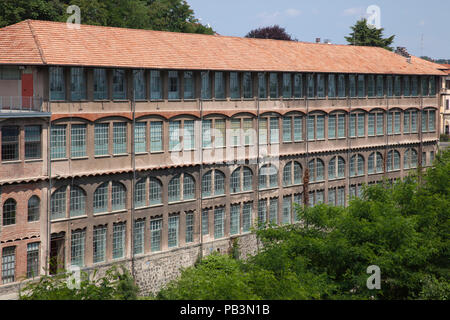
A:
(17, 107)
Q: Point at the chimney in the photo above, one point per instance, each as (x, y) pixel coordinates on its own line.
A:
(317, 40)
(327, 41)
(402, 51)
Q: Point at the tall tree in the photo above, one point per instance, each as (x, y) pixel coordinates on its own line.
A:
(13, 11)
(272, 32)
(363, 35)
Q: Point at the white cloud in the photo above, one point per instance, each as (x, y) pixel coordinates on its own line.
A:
(291, 12)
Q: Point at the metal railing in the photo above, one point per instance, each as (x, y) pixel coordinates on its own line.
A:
(14, 104)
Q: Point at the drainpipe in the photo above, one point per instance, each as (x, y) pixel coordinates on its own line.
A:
(200, 210)
(133, 163)
(49, 173)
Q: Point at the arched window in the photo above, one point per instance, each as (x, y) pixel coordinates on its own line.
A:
(9, 212)
(375, 163)
(235, 181)
(118, 196)
(219, 183)
(268, 177)
(101, 198)
(34, 208)
(336, 168)
(316, 170)
(247, 175)
(292, 174)
(207, 184)
(174, 189)
(58, 204)
(139, 193)
(155, 195)
(393, 161)
(77, 202)
(410, 159)
(356, 165)
(188, 187)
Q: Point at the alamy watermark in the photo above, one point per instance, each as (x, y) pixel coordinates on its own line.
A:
(374, 281)
(74, 20)
(373, 14)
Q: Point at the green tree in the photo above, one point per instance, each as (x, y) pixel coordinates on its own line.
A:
(13, 11)
(272, 32)
(363, 35)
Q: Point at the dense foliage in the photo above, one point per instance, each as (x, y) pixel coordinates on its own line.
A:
(404, 229)
(363, 35)
(272, 32)
(164, 15)
(116, 284)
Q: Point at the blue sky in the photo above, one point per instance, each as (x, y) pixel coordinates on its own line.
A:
(331, 19)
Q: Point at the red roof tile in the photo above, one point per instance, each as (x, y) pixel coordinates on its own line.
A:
(53, 43)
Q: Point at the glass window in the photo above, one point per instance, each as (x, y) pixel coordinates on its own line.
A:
(219, 183)
(248, 132)
(10, 143)
(174, 136)
(353, 125)
(155, 234)
(34, 208)
(155, 192)
(140, 85)
(287, 209)
(57, 84)
(273, 211)
(287, 129)
(371, 86)
(188, 187)
(390, 86)
(100, 84)
(219, 85)
(425, 85)
(273, 78)
(352, 85)
(78, 84)
(118, 196)
(155, 85)
(33, 142)
(246, 217)
(341, 86)
(320, 85)
(341, 126)
(248, 85)
(263, 131)
(235, 132)
(262, 211)
(174, 85)
(406, 86)
(380, 86)
(77, 202)
(298, 128)
(78, 140)
(287, 174)
(156, 136)
(219, 226)
(311, 90)
(432, 86)
(188, 135)
(274, 131)
(414, 87)
(173, 231)
(262, 86)
(332, 127)
(331, 86)
(371, 125)
(101, 138)
(9, 212)
(205, 222)
(77, 247)
(235, 181)
(189, 85)
(139, 236)
(139, 193)
(101, 198)
(206, 86)
(380, 124)
(207, 184)
(397, 86)
(361, 124)
(361, 86)
(235, 86)
(119, 85)
(287, 85)
(58, 142)
(8, 264)
(119, 137)
(58, 204)
(431, 121)
(32, 260)
(99, 244)
(140, 137)
(298, 85)
(234, 219)
(406, 122)
(247, 179)
(174, 189)
(189, 227)
(311, 127)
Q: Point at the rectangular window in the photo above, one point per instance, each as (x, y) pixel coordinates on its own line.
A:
(331, 86)
(371, 127)
(205, 222)
(207, 133)
(77, 84)
(311, 86)
(341, 196)
(263, 131)
(189, 85)
(156, 136)
(298, 129)
(341, 126)
(414, 86)
(189, 228)
(311, 127)
(235, 86)
(320, 85)
(406, 86)
(248, 132)
(234, 219)
(397, 116)
(174, 136)
(140, 135)
(173, 86)
(380, 124)
(389, 123)
(371, 86)
(262, 86)
(8, 264)
(10, 143)
(119, 240)
(431, 121)
(119, 137)
(406, 122)
(332, 197)
(206, 86)
(287, 129)
(262, 211)
(287, 209)
(273, 211)
(390, 86)
(353, 125)
(219, 133)
(140, 85)
(273, 80)
(246, 217)
(361, 86)
(32, 260)
(235, 132)
(248, 85)
(32, 142)
(287, 85)
(119, 85)
(155, 234)
(219, 226)
(352, 86)
(361, 125)
(332, 127)
(78, 248)
(58, 142)
(219, 85)
(57, 84)
(188, 135)
(100, 84)
(320, 134)
(138, 234)
(274, 131)
(155, 85)
(432, 86)
(101, 138)
(298, 85)
(99, 244)
(380, 86)
(397, 86)
(78, 141)
(173, 231)
(425, 86)
(414, 122)
(341, 86)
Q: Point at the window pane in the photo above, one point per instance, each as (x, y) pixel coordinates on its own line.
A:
(140, 135)
(119, 137)
(219, 85)
(155, 230)
(155, 85)
(331, 86)
(58, 204)
(140, 85)
(32, 142)
(246, 217)
(101, 138)
(119, 85)
(77, 202)
(234, 219)
(119, 240)
(34, 208)
(298, 85)
(101, 199)
(311, 90)
(371, 86)
(273, 78)
(262, 211)
(219, 183)
(174, 136)
(248, 86)
(118, 196)
(188, 187)
(320, 86)
(155, 192)
(156, 135)
(332, 127)
(57, 84)
(287, 209)
(173, 231)
(406, 86)
(380, 86)
(235, 90)
(361, 86)
(139, 236)
(298, 129)
(58, 142)
(189, 85)
(262, 86)
(139, 194)
(8, 264)
(371, 121)
(100, 84)
(287, 129)
(78, 248)
(263, 131)
(341, 86)
(361, 125)
(352, 86)
(205, 222)
(341, 126)
(78, 84)
(274, 131)
(78, 140)
(219, 226)
(188, 135)
(9, 212)
(173, 86)
(219, 133)
(287, 85)
(206, 86)
(397, 86)
(189, 228)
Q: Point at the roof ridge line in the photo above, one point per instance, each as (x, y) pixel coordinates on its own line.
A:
(36, 40)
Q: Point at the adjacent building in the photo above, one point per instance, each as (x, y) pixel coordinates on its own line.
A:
(445, 109)
(148, 148)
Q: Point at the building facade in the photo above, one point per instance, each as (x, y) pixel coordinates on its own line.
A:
(158, 143)
(445, 106)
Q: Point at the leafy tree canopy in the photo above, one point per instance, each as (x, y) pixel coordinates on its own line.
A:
(272, 32)
(166, 15)
(363, 35)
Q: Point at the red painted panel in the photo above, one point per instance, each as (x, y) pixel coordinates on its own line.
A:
(27, 89)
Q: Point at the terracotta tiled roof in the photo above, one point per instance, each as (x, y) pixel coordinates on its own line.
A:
(53, 43)
(446, 68)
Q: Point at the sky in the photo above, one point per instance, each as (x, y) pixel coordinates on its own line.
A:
(420, 26)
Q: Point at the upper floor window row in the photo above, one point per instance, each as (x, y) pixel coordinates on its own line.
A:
(76, 84)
